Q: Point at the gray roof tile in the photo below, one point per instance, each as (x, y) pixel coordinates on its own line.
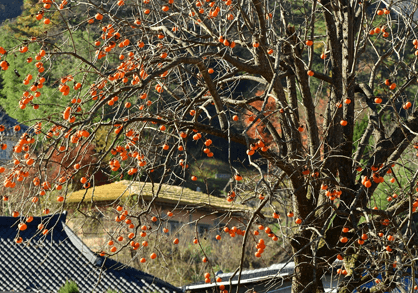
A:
(49, 261)
(9, 123)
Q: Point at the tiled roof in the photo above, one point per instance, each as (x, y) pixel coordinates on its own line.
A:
(405, 8)
(10, 9)
(9, 123)
(44, 263)
(282, 270)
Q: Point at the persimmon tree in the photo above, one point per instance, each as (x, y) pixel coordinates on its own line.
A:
(169, 72)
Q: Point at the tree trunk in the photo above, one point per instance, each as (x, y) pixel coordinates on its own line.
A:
(306, 278)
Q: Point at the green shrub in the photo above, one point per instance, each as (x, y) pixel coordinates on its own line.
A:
(69, 287)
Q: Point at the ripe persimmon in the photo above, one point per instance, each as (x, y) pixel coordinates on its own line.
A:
(22, 226)
(250, 152)
(197, 136)
(343, 239)
(407, 105)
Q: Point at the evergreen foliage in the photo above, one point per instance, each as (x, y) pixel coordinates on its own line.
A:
(69, 287)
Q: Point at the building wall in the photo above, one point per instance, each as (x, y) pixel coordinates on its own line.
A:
(200, 220)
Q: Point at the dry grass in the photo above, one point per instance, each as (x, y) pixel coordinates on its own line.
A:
(168, 193)
(179, 264)
(182, 264)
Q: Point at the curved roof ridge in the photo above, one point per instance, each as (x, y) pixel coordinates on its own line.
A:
(10, 122)
(45, 262)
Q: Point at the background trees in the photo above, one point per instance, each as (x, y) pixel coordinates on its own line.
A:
(160, 76)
